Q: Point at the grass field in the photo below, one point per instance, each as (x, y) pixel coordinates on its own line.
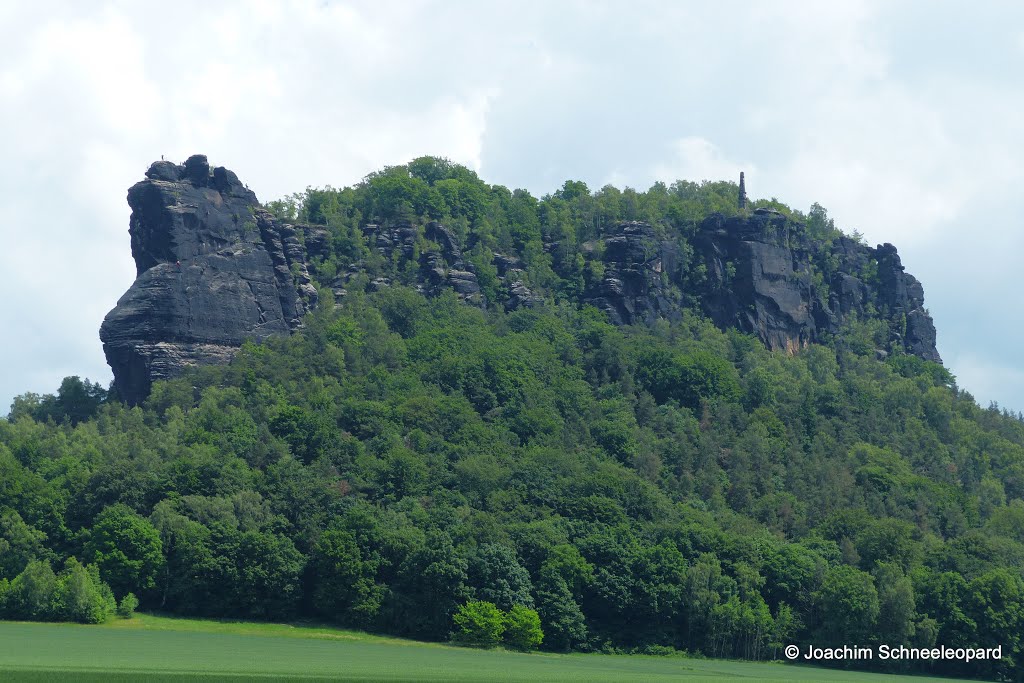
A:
(155, 648)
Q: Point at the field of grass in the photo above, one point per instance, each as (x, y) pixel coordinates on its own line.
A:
(155, 648)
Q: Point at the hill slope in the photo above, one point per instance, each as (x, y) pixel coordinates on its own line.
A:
(666, 484)
(215, 268)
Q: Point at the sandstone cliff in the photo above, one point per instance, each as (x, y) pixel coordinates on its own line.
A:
(759, 273)
(215, 269)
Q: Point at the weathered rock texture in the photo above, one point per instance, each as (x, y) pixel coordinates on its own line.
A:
(637, 271)
(214, 269)
(760, 274)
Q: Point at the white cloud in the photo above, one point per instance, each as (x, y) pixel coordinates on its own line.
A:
(697, 159)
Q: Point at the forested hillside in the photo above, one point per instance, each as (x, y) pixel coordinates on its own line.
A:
(413, 453)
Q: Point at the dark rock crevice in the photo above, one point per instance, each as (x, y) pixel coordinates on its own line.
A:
(207, 279)
(215, 269)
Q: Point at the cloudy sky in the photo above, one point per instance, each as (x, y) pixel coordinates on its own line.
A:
(901, 118)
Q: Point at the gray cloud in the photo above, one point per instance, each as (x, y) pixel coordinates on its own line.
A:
(898, 117)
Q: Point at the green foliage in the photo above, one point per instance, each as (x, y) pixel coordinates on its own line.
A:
(80, 595)
(479, 623)
(651, 488)
(75, 402)
(522, 628)
(19, 544)
(31, 593)
(687, 378)
(498, 577)
(76, 594)
(126, 548)
(847, 607)
(346, 587)
(126, 608)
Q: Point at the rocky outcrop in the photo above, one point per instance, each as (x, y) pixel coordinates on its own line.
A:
(440, 265)
(765, 276)
(758, 279)
(214, 269)
(760, 273)
(637, 267)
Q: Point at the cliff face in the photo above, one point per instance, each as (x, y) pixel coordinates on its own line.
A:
(215, 269)
(762, 276)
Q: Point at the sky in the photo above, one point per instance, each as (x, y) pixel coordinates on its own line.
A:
(902, 118)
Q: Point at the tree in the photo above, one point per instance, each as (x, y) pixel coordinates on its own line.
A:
(345, 586)
(80, 595)
(126, 548)
(522, 628)
(429, 587)
(496, 575)
(126, 608)
(995, 601)
(75, 402)
(847, 607)
(896, 604)
(266, 570)
(479, 623)
(561, 615)
(563, 578)
(31, 593)
(19, 544)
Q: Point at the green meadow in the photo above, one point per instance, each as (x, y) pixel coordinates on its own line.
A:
(155, 648)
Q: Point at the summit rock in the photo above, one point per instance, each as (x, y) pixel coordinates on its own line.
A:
(214, 269)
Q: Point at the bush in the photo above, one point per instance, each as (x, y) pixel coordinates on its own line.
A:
(479, 623)
(80, 596)
(128, 605)
(522, 628)
(30, 596)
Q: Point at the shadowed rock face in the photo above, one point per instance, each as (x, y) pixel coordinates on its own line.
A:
(759, 279)
(214, 269)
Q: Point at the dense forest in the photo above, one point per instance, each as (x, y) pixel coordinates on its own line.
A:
(421, 466)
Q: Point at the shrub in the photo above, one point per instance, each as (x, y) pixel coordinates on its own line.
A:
(81, 596)
(31, 593)
(479, 623)
(128, 605)
(522, 628)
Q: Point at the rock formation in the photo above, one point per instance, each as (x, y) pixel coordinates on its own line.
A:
(762, 275)
(214, 269)
(633, 288)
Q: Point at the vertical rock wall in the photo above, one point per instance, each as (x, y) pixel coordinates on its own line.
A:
(214, 269)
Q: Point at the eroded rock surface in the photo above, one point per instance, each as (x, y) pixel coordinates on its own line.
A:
(214, 269)
(760, 274)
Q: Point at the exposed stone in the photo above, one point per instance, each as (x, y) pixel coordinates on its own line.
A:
(214, 269)
(507, 264)
(759, 280)
(463, 282)
(754, 282)
(633, 289)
